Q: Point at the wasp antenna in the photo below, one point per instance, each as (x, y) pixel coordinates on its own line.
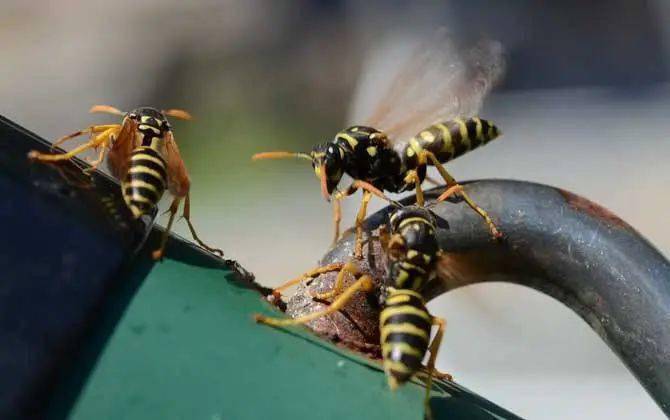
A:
(281, 155)
(108, 109)
(178, 113)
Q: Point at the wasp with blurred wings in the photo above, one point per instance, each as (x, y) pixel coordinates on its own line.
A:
(142, 153)
(427, 116)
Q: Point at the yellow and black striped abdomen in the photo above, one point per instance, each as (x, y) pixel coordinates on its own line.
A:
(145, 181)
(453, 138)
(405, 333)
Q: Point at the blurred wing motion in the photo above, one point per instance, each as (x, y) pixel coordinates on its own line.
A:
(437, 82)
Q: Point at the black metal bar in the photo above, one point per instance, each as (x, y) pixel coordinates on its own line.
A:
(555, 242)
(66, 235)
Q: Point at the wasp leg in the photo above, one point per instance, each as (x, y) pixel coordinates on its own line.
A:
(452, 182)
(363, 284)
(360, 217)
(101, 140)
(92, 130)
(276, 292)
(174, 207)
(337, 218)
(430, 367)
(186, 214)
(413, 177)
(348, 268)
(337, 208)
(101, 157)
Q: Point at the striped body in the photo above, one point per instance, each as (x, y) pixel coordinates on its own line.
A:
(145, 181)
(448, 140)
(405, 323)
(405, 333)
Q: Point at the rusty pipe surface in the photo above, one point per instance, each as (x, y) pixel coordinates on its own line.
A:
(555, 242)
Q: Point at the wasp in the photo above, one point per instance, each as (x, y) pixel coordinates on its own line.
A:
(142, 153)
(410, 243)
(425, 118)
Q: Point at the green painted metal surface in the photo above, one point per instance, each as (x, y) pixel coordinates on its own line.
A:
(182, 344)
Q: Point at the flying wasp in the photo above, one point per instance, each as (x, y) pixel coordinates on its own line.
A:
(410, 243)
(142, 153)
(437, 95)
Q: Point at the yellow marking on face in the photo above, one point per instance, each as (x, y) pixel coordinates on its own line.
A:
(427, 136)
(410, 152)
(354, 129)
(412, 253)
(145, 118)
(372, 151)
(403, 310)
(403, 348)
(418, 281)
(317, 170)
(404, 328)
(149, 127)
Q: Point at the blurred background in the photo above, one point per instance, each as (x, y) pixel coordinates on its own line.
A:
(584, 106)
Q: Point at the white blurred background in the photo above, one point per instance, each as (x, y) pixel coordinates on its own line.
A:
(585, 106)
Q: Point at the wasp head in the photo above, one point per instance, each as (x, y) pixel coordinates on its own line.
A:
(150, 119)
(328, 164)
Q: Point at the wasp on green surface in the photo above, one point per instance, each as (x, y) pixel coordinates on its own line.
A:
(426, 117)
(142, 153)
(413, 253)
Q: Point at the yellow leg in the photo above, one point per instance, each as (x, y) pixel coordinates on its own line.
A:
(174, 207)
(98, 161)
(348, 268)
(187, 216)
(363, 284)
(308, 275)
(100, 140)
(433, 348)
(360, 217)
(337, 218)
(452, 182)
(92, 130)
(413, 177)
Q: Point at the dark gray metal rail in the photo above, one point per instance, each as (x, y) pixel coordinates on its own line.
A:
(555, 242)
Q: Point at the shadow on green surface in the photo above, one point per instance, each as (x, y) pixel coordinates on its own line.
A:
(70, 385)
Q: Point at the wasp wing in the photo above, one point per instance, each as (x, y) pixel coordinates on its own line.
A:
(118, 157)
(438, 81)
(178, 180)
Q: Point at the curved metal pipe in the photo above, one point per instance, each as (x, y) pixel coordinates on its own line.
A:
(555, 242)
